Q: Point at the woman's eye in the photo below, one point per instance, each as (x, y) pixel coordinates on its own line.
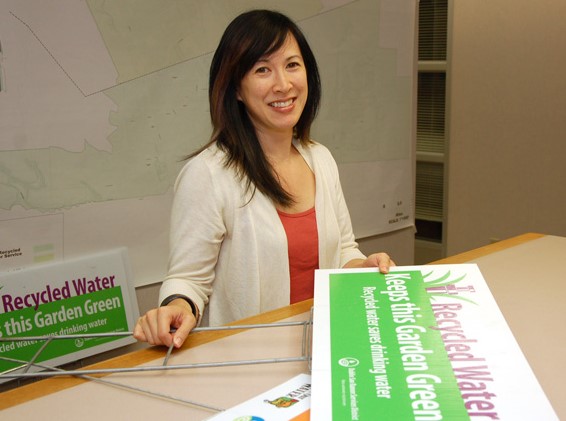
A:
(262, 70)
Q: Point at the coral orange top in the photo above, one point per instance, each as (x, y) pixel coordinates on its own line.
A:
(302, 240)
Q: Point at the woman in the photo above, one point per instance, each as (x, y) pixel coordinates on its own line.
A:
(260, 207)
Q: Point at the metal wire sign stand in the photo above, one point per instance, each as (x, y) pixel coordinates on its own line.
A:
(22, 370)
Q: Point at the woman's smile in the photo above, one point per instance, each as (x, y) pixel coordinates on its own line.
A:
(281, 104)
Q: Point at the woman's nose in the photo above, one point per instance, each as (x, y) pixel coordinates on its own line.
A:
(282, 82)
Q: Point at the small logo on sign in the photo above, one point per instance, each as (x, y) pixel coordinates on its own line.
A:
(348, 362)
(283, 402)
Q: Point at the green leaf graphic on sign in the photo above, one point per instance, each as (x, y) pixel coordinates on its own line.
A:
(434, 285)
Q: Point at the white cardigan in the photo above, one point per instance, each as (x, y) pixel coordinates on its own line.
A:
(232, 255)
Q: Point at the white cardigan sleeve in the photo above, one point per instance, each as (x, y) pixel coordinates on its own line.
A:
(338, 245)
(196, 233)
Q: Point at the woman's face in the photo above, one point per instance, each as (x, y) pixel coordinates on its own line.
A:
(275, 90)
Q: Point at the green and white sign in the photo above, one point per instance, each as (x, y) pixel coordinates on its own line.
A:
(81, 296)
(419, 343)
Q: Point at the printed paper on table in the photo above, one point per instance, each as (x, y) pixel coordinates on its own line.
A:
(420, 343)
(290, 401)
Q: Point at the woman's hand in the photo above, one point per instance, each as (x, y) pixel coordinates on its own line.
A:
(155, 327)
(379, 260)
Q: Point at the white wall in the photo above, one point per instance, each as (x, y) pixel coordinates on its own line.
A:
(506, 121)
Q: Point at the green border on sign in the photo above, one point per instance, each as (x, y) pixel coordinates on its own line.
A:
(386, 361)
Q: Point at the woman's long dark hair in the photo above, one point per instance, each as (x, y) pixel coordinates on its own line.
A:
(247, 38)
